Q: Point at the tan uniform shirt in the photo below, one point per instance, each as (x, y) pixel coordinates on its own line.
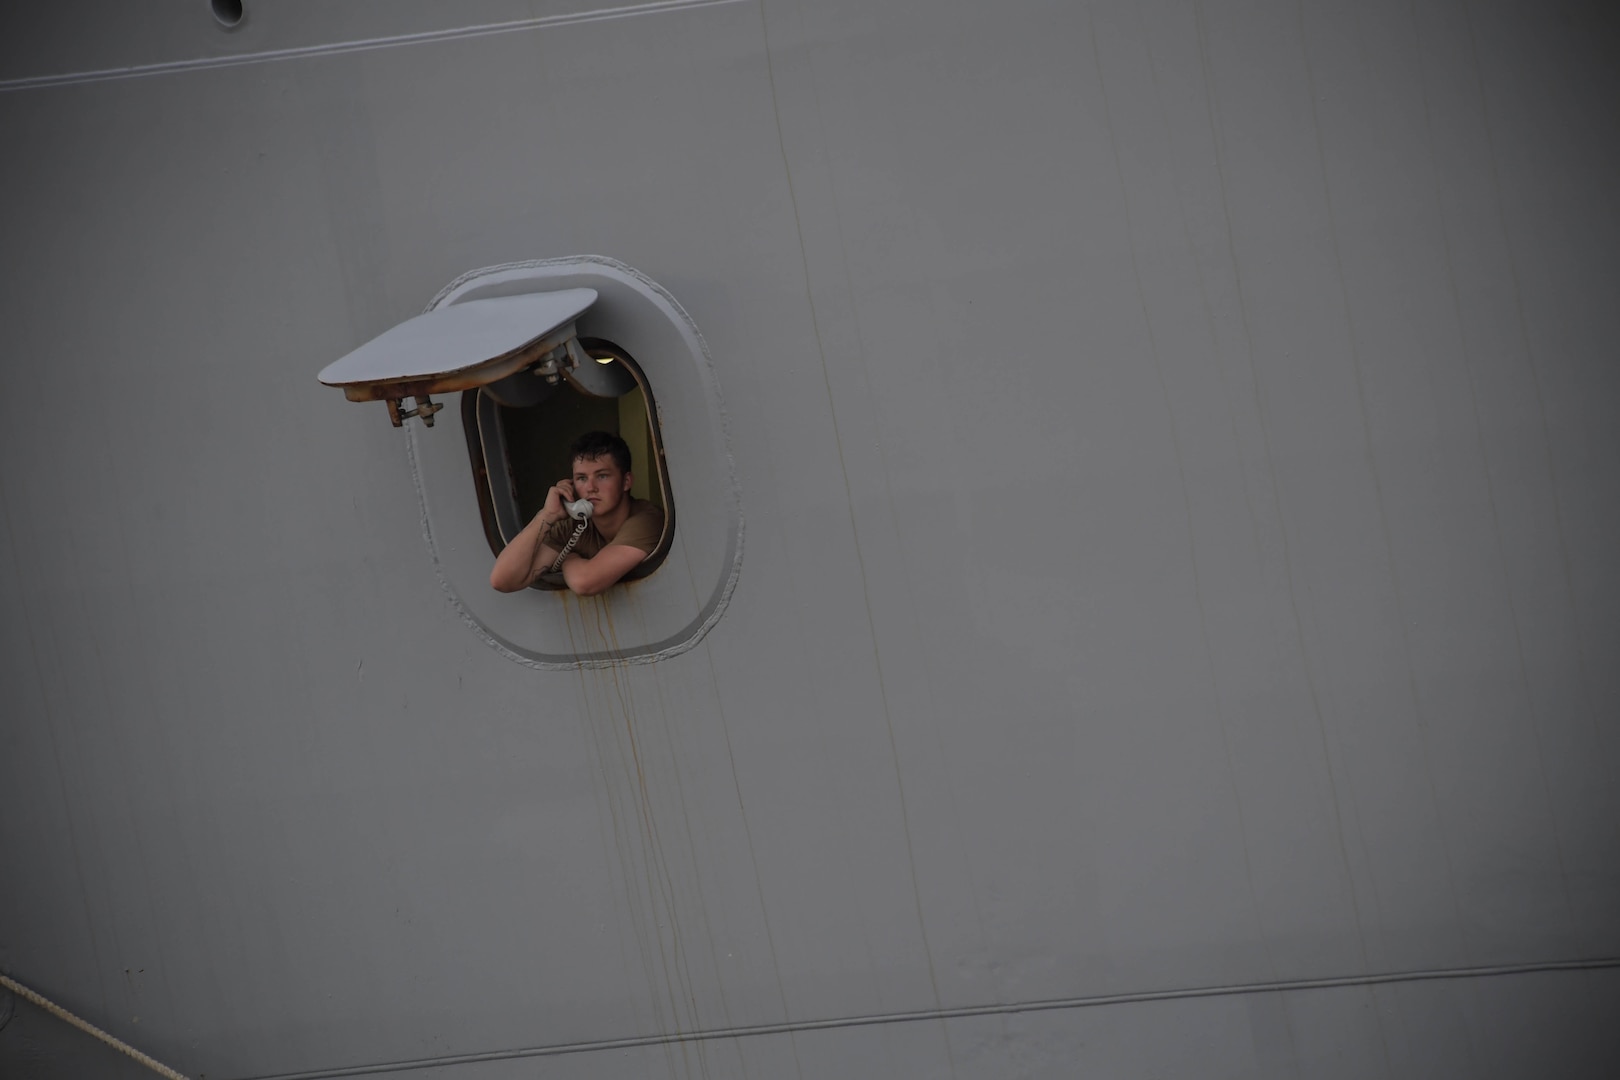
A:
(642, 529)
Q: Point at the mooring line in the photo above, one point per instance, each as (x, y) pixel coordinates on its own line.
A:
(87, 1027)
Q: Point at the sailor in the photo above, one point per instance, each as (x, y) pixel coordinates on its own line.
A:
(592, 552)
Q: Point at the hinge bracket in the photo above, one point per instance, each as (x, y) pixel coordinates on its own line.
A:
(425, 408)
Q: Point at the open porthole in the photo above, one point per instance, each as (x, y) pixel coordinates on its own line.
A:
(536, 354)
(519, 430)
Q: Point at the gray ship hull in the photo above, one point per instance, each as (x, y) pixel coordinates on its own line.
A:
(1172, 609)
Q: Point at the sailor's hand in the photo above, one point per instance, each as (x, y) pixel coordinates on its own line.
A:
(553, 509)
(561, 492)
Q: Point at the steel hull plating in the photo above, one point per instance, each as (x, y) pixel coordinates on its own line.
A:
(1175, 623)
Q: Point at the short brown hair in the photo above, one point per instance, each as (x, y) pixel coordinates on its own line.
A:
(595, 444)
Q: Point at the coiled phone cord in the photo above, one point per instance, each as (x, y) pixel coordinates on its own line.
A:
(579, 531)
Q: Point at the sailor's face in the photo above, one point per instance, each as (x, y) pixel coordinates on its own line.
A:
(602, 482)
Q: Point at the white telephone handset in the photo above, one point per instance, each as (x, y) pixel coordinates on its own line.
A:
(580, 511)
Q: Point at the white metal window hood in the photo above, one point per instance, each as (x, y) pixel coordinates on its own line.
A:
(464, 346)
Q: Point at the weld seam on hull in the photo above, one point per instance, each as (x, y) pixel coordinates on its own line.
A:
(997, 1009)
(337, 48)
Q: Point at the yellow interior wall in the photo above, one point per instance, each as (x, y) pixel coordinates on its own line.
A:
(633, 430)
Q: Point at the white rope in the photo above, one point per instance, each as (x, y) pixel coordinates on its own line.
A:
(87, 1027)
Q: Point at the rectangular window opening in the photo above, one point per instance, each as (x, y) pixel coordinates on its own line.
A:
(519, 451)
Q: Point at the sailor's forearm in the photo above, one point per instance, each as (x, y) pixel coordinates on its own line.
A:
(587, 577)
(520, 562)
